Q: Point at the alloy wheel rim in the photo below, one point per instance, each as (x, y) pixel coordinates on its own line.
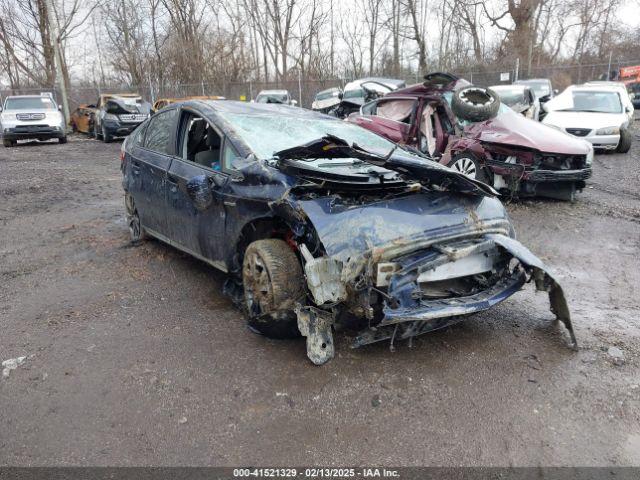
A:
(257, 285)
(134, 227)
(466, 166)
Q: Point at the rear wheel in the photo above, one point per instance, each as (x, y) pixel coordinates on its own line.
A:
(273, 282)
(469, 165)
(624, 145)
(136, 230)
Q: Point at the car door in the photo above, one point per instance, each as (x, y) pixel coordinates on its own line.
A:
(197, 229)
(151, 157)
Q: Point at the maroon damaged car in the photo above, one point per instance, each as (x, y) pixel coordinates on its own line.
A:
(513, 154)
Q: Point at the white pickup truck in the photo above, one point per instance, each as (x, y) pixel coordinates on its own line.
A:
(25, 117)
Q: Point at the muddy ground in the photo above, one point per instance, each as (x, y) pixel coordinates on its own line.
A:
(134, 357)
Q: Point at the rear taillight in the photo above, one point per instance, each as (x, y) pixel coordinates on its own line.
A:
(122, 151)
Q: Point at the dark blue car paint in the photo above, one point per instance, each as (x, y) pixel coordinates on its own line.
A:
(257, 193)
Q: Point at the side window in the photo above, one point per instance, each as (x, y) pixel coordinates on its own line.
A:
(229, 154)
(200, 141)
(159, 130)
(138, 135)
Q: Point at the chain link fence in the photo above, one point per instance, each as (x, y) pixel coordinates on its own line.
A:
(304, 90)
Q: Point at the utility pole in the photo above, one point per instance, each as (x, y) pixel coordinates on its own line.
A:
(517, 69)
(609, 67)
(53, 32)
(299, 88)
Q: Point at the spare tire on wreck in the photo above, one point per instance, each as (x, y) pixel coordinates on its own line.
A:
(475, 104)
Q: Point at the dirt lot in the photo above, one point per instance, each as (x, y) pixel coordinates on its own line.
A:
(134, 357)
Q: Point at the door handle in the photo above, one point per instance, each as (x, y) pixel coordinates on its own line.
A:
(173, 182)
(135, 167)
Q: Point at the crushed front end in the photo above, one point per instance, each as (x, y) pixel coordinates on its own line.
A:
(529, 173)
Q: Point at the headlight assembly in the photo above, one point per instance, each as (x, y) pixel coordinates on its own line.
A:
(608, 131)
(589, 159)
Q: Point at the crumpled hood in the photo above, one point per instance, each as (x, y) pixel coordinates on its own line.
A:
(510, 128)
(347, 231)
(591, 120)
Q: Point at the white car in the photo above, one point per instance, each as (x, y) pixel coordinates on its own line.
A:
(595, 113)
(275, 96)
(26, 117)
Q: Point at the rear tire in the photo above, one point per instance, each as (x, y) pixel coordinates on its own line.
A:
(273, 282)
(624, 145)
(475, 104)
(8, 143)
(469, 165)
(136, 230)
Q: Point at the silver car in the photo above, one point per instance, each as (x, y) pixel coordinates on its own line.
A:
(26, 117)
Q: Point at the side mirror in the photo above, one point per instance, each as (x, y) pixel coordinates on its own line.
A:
(60, 108)
(0, 108)
(199, 191)
(294, 102)
(627, 109)
(340, 95)
(556, 91)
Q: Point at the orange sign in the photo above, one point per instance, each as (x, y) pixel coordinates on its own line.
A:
(630, 71)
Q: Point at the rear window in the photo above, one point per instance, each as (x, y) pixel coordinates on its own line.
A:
(30, 103)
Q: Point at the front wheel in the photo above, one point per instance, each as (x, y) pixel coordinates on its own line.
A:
(624, 145)
(8, 143)
(106, 137)
(62, 139)
(273, 282)
(469, 165)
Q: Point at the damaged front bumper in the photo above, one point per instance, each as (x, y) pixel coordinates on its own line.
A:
(408, 312)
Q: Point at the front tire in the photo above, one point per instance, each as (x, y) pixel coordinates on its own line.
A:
(106, 137)
(62, 139)
(624, 145)
(469, 165)
(273, 283)
(8, 143)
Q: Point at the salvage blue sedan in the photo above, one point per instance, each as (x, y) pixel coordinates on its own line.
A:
(320, 222)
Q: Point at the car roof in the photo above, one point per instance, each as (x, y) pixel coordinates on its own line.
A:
(126, 95)
(512, 86)
(256, 108)
(522, 80)
(391, 82)
(280, 92)
(599, 86)
(29, 96)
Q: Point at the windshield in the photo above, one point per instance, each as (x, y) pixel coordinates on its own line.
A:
(357, 93)
(511, 96)
(267, 134)
(272, 98)
(540, 88)
(327, 94)
(589, 101)
(30, 103)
